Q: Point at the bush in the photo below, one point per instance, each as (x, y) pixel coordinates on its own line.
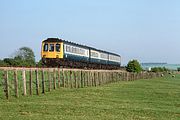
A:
(10, 62)
(40, 63)
(178, 69)
(159, 69)
(134, 66)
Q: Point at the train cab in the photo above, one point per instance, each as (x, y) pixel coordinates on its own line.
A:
(52, 49)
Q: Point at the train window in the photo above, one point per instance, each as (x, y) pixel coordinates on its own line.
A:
(58, 47)
(73, 49)
(68, 48)
(103, 55)
(82, 51)
(94, 54)
(78, 51)
(51, 48)
(45, 47)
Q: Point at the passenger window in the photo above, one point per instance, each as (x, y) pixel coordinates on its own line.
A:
(58, 47)
(51, 48)
(45, 47)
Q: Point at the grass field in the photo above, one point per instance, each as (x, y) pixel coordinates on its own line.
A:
(156, 99)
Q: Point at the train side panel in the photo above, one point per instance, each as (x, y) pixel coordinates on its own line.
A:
(114, 60)
(94, 56)
(104, 58)
(76, 53)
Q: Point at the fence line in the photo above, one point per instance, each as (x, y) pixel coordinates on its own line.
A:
(40, 81)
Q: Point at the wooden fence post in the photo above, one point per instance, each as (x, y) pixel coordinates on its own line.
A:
(24, 82)
(112, 76)
(43, 82)
(50, 80)
(89, 83)
(91, 78)
(132, 77)
(127, 78)
(75, 78)
(95, 78)
(30, 82)
(115, 75)
(108, 76)
(54, 78)
(71, 80)
(81, 80)
(59, 78)
(66, 79)
(87, 76)
(63, 81)
(105, 77)
(99, 78)
(84, 78)
(6, 84)
(16, 84)
(37, 82)
(78, 79)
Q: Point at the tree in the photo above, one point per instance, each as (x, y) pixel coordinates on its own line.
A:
(2, 63)
(134, 66)
(24, 57)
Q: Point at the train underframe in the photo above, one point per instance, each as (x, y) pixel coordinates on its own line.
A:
(76, 64)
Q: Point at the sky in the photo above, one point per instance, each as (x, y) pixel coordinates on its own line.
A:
(146, 30)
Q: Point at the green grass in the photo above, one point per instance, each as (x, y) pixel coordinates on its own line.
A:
(156, 99)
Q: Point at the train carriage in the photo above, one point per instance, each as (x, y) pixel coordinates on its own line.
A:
(94, 56)
(75, 52)
(114, 59)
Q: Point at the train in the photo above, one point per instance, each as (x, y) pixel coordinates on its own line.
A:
(57, 52)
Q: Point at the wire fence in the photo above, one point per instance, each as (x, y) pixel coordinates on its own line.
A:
(36, 81)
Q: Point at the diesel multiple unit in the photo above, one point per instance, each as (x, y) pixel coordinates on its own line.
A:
(58, 52)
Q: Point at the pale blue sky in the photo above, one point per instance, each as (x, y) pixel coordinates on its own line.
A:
(147, 30)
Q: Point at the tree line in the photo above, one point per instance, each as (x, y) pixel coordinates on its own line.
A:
(23, 57)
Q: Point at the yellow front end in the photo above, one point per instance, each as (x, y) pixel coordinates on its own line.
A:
(52, 50)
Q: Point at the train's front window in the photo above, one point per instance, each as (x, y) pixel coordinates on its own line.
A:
(58, 47)
(51, 48)
(45, 47)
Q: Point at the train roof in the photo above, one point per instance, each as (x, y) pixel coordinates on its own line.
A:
(61, 40)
